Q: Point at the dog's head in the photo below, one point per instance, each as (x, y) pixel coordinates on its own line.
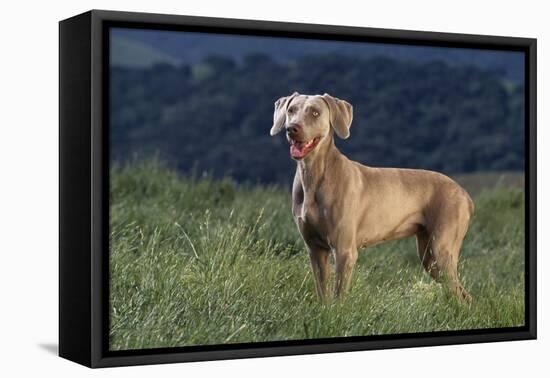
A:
(309, 121)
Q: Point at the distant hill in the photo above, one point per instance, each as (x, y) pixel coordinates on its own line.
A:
(215, 116)
(134, 54)
(194, 47)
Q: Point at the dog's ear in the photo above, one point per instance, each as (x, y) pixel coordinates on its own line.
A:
(279, 114)
(341, 115)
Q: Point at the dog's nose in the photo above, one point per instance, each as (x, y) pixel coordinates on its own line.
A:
(293, 129)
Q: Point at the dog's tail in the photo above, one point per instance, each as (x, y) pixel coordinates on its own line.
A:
(471, 206)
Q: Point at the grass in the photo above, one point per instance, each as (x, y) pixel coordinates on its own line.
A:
(196, 261)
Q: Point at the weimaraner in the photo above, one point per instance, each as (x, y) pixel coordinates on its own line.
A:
(340, 205)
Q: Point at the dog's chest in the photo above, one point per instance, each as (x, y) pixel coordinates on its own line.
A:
(310, 217)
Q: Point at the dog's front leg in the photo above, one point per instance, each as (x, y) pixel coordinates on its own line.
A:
(319, 258)
(345, 259)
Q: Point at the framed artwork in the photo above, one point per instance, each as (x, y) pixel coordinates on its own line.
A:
(235, 188)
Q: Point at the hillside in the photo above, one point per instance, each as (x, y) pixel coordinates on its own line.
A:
(215, 116)
(192, 48)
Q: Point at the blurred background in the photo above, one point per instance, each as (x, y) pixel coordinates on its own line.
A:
(203, 103)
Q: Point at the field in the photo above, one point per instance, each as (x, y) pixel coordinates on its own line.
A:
(197, 261)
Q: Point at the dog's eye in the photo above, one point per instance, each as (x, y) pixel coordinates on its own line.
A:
(315, 113)
(290, 110)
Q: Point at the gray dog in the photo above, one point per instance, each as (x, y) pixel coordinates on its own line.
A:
(340, 205)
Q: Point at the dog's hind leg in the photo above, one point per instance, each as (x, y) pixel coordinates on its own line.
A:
(446, 244)
(424, 250)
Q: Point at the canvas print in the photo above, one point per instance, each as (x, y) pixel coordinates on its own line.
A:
(270, 189)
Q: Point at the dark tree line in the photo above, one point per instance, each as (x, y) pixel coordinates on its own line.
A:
(215, 116)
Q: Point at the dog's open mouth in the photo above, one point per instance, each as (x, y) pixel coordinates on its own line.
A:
(300, 149)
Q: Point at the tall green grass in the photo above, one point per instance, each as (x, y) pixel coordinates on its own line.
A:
(196, 261)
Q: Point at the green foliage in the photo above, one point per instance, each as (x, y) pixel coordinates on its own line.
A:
(197, 261)
(215, 115)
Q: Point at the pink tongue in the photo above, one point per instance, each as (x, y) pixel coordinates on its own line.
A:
(295, 152)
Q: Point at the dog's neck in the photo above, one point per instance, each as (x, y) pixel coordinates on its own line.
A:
(314, 169)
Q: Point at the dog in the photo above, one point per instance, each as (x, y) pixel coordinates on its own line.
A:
(340, 205)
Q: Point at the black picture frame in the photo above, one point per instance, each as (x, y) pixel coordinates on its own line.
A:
(84, 189)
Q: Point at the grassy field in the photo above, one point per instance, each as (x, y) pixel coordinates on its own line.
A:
(198, 261)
